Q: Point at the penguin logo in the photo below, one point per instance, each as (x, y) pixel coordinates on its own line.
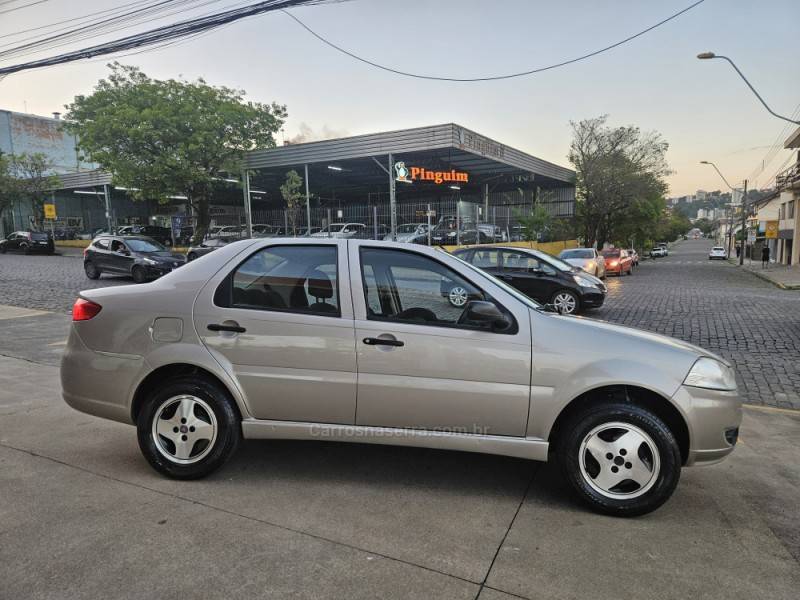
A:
(401, 171)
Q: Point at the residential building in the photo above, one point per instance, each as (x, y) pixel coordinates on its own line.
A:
(787, 182)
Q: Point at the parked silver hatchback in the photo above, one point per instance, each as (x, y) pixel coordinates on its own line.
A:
(356, 340)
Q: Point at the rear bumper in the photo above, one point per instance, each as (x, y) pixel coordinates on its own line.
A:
(713, 418)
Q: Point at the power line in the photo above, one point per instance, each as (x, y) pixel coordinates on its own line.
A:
(162, 34)
(492, 77)
(8, 10)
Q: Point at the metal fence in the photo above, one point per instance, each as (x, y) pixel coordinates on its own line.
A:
(448, 221)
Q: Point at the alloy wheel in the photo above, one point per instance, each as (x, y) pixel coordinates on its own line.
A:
(184, 429)
(458, 296)
(619, 460)
(565, 303)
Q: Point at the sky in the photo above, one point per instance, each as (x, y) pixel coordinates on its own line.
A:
(655, 82)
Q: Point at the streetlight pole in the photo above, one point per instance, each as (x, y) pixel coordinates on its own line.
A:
(744, 224)
(710, 55)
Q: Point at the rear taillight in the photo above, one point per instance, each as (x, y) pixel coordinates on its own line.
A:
(83, 310)
(85, 251)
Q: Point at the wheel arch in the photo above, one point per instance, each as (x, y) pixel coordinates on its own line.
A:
(661, 406)
(169, 371)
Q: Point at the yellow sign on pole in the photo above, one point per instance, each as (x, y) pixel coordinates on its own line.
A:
(771, 230)
(49, 211)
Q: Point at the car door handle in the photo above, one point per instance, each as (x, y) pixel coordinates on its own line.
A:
(231, 328)
(505, 277)
(383, 342)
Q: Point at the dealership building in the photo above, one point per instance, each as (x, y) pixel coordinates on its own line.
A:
(383, 180)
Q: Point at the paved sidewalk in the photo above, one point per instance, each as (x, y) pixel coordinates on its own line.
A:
(82, 515)
(785, 277)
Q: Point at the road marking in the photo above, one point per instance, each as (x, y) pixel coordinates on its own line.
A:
(16, 312)
(61, 343)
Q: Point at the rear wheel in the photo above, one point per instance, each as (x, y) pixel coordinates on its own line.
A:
(458, 296)
(138, 274)
(620, 458)
(188, 427)
(25, 248)
(91, 270)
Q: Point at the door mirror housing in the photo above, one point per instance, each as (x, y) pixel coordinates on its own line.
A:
(481, 311)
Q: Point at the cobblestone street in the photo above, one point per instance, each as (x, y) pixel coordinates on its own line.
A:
(713, 304)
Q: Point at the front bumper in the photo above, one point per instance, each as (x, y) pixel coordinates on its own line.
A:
(713, 418)
(592, 298)
(158, 270)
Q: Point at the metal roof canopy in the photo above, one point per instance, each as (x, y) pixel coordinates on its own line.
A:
(449, 145)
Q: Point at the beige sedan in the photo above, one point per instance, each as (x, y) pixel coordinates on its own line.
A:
(357, 341)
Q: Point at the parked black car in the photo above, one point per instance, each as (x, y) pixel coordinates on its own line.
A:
(140, 257)
(544, 278)
(28, 242)
(207, 246)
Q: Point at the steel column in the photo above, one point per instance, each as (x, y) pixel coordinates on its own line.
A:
(248, 211)
(392, 200)
(308, 203)
(108, 206)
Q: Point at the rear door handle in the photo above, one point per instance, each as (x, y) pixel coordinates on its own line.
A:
(231, 328)
(382, 342)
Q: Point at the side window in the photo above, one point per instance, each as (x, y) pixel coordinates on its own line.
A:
(301, 279)
(519, 262)
(102, 244)
(486, 259)
(412, 288)
(117, 246)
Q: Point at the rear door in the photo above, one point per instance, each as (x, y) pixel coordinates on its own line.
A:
(280, 320)
(418, 365)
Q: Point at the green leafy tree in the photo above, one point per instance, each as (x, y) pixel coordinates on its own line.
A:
(534, 224)
(171, 137)
(615, 167)
(290, 190)
(34, 181)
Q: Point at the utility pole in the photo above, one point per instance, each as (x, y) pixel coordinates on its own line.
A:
(744, 224)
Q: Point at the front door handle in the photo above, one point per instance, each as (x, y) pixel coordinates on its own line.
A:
(231, 328)
(382, 342)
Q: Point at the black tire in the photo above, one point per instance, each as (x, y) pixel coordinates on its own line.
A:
(228, 429)
(3, 249)
(138, 274)
(25, 248)
(580, 428)
(91, 270)
(191, 256)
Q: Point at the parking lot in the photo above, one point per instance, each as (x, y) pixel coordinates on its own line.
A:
(321, 520)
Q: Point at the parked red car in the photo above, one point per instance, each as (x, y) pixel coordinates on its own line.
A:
(618, 261)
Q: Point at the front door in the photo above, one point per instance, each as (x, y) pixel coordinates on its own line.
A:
(280, 321)
(419, 364)
(119, 259)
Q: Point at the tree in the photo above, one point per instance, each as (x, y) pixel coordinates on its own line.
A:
(615, 167)
(534, 224)
(290, 191)
(33, 179)
(172, 137)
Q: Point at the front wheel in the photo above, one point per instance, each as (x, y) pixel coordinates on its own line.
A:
(566, 302)
(138, 274)
(621, 459)
(458, 296)
(188, 427)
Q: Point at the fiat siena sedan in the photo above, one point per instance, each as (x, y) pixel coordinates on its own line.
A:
(352, 341)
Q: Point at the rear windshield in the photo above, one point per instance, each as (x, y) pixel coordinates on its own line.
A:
(36, 235)
(718, 248)
(577, 253)
(610, 253)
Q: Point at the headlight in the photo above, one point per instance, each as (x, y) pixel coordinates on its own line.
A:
(711, 374)
(584, 281)
(149, 261)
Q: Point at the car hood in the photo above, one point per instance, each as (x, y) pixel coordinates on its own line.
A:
(164, 257)
(630, 341)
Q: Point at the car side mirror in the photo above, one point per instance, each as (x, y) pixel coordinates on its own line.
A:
(486, 312)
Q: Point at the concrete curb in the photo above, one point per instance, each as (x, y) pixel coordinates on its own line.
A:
(765, 277)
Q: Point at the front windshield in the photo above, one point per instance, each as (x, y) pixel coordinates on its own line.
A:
(507, 288)
(552, 260)
(576, 253)
(145, 246)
